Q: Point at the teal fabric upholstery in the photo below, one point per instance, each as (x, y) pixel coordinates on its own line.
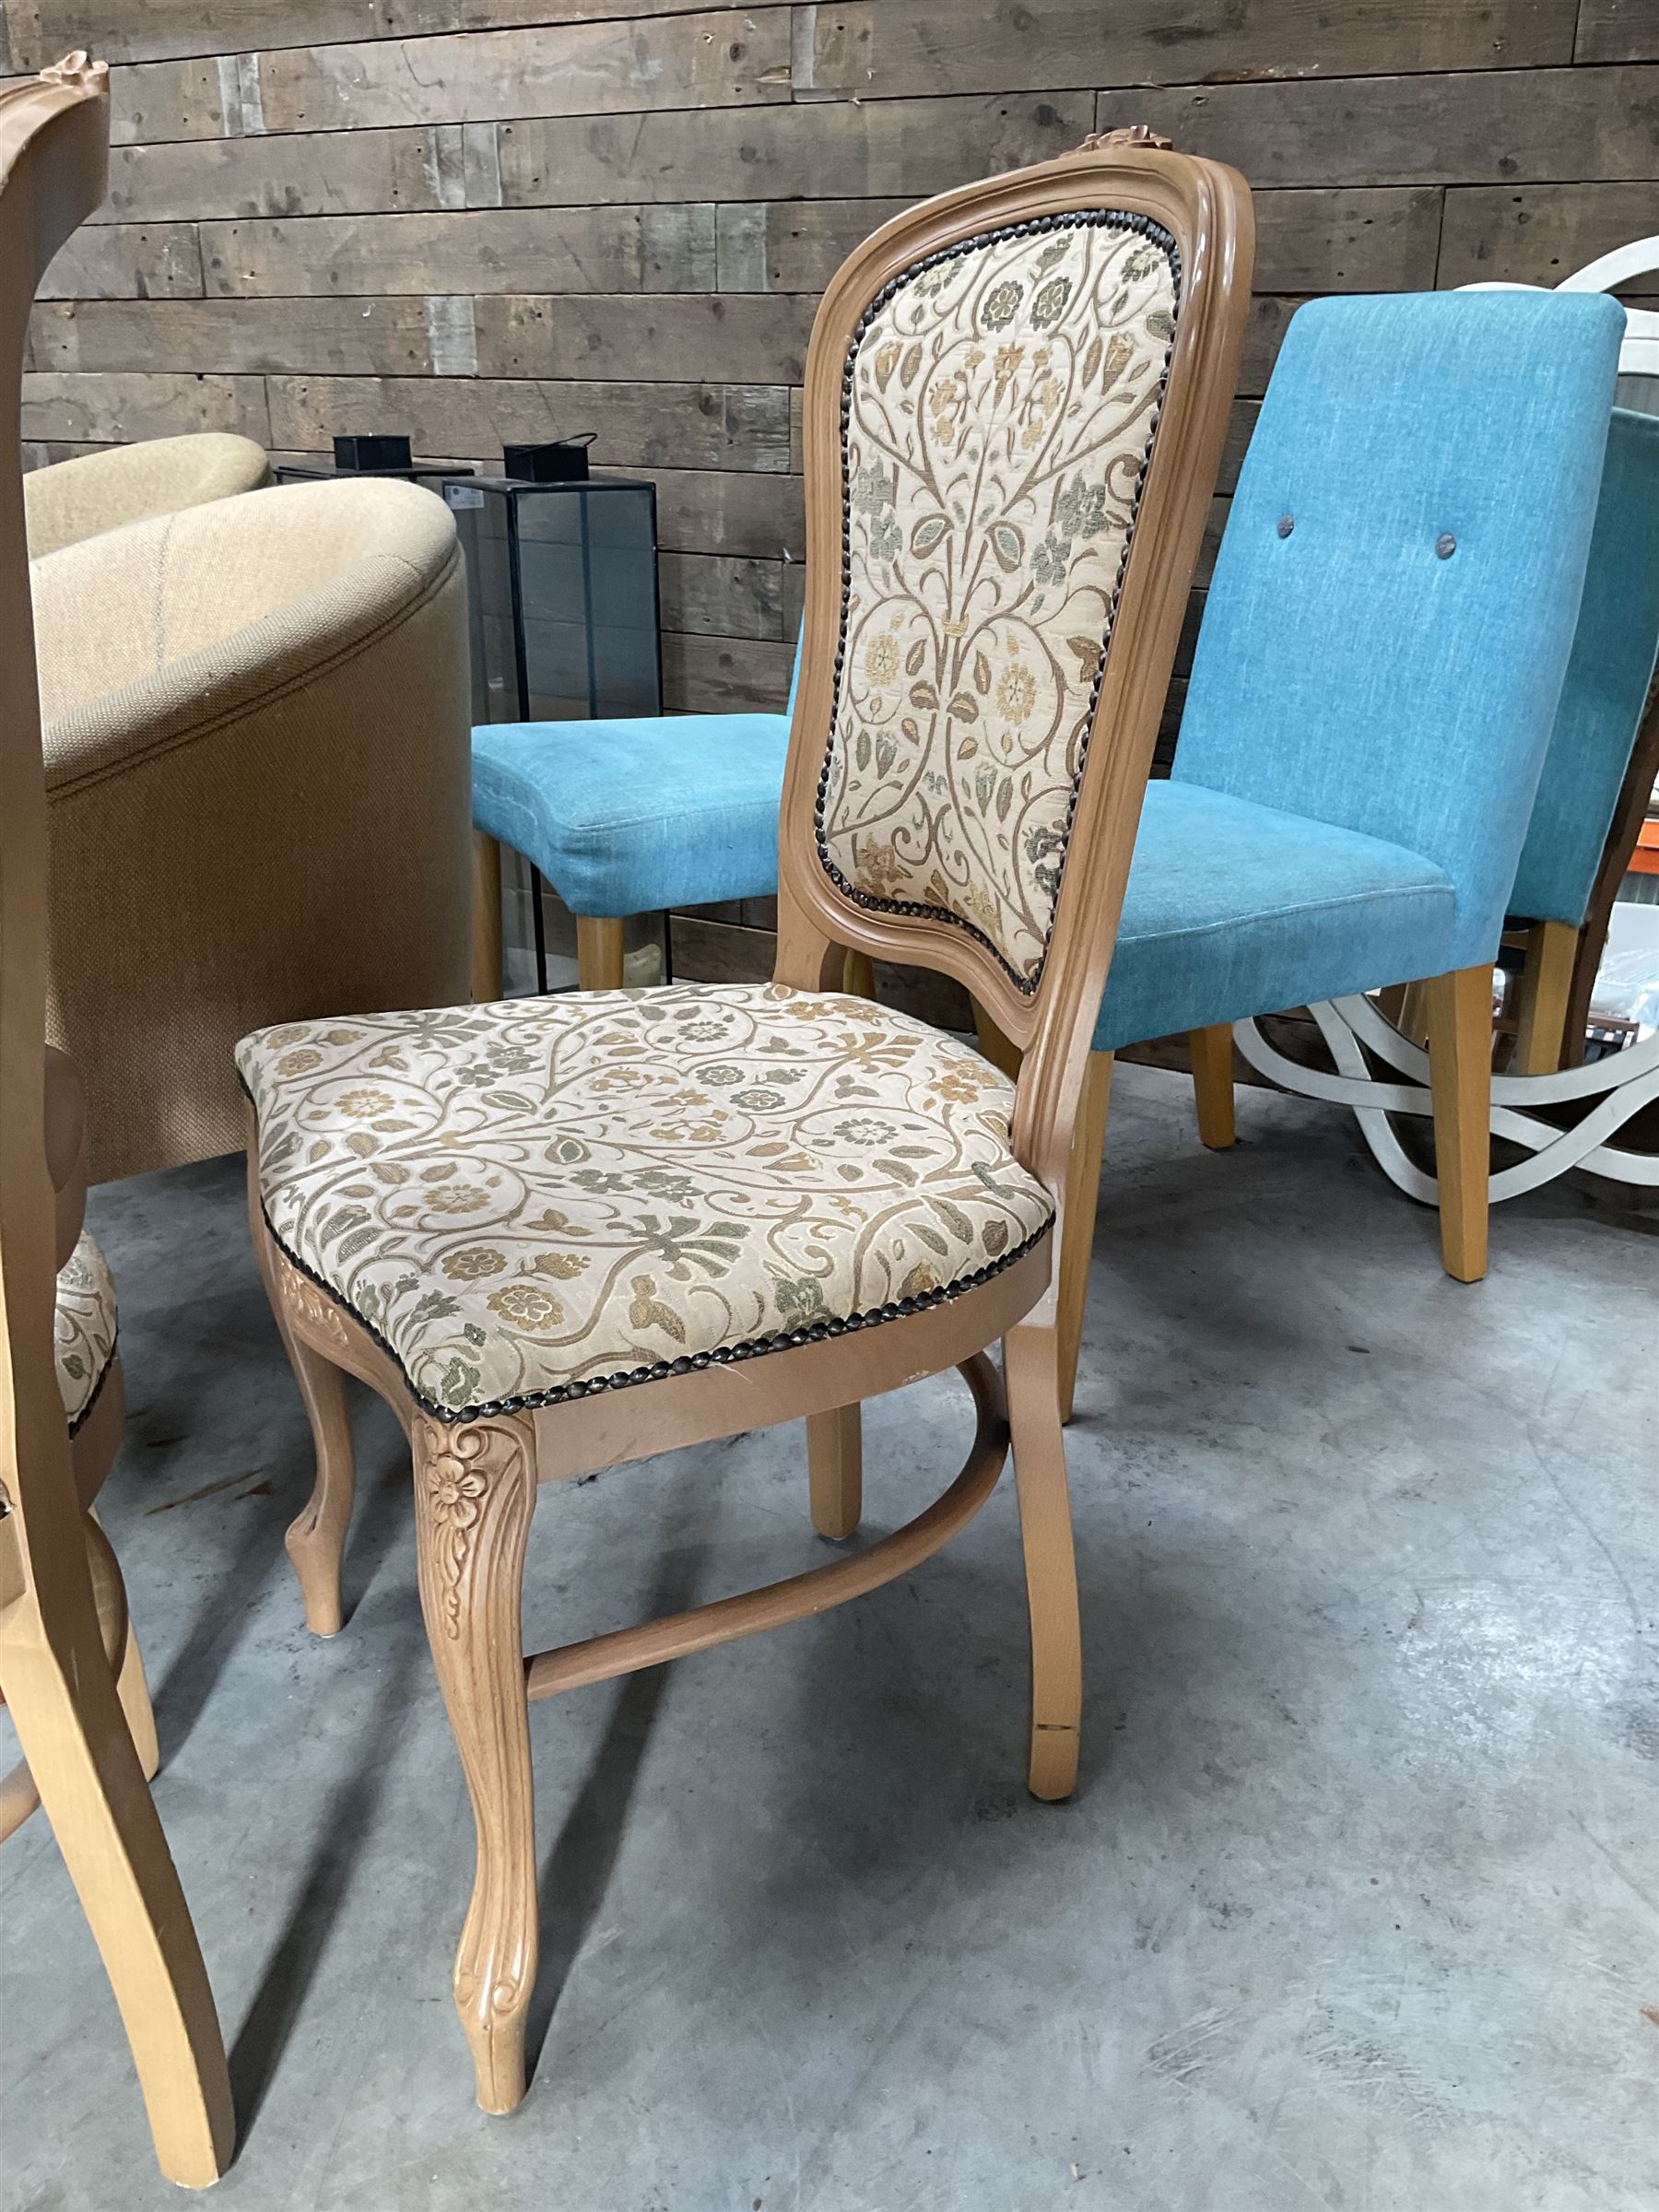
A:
(627, 817)
(1607, 679)
(1227, 898)
(1381, 657)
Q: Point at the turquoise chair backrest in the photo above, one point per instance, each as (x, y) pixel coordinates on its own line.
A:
(1392, 608)
(1607, 679)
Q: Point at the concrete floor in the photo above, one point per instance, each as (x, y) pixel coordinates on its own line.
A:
(1355, 1908)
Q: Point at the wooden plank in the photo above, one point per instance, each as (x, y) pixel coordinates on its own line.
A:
(1325, 240)
(341, 338)
(710, 337)
(169, 100)
(641, 426)
(118, 408)
(147, 260)
(322, 172)
(120, 31)
(1263, 334)
(701, 511)
(714, 676)
(712, 596)
(724, 58)
(879, 49)
(828, 150)
(1538, 233)
(1618, 30)
(494, 250)
(1488, 125)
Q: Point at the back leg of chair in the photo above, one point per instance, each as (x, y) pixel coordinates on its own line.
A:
(1545, 988)
(1031, 1372)
(1459, 1016)
(487, 954)
(835, 1470)
(1078, 1223)
(81, 1759)
(599, 952)
(1211, 1052)
(858, 976)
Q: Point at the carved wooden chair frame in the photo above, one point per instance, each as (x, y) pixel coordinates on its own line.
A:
(88, 1746)
(475, 1480)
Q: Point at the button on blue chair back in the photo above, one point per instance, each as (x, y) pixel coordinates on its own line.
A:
(1607, 679)
(1419, 491)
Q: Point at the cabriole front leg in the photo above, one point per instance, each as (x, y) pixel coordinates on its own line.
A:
(475, 1493)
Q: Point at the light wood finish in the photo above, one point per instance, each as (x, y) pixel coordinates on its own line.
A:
(1542, 996)
(475, 1480)
(1460, 1077)
(600, 952)
(57, 1676)
(1082, 1198)
(835, 1471)
(475, 1492)
(487, 982)
(1412, 1020)
(1212, 1056)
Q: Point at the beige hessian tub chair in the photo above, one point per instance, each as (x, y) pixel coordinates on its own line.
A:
(72, 500)
(258, 774)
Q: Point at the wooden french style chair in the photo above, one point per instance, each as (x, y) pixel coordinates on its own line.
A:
(89, 1744)
(555, 1234)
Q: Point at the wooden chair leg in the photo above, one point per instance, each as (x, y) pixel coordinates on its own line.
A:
(858, 976)
(82, 1761)
(1031, 1370)
(599, 952)
(835, 1470)
(487, 957)
(1544, 987)
(316, 1536)
(1077, 1229)
(108, 1595)
(1211, 1051)
(1459, 1013)
(1412, 1020)
(475, 1493)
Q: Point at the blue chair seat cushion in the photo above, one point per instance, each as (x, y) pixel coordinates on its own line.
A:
(625, 816)
(1234, 909)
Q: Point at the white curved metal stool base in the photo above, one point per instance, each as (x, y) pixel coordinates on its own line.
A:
(1625, 1083)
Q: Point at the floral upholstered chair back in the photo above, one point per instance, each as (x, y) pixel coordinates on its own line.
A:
(999, 406)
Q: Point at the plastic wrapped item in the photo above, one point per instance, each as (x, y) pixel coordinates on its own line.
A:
(1627, 983)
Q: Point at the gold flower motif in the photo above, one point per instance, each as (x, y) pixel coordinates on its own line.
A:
(457, 1198)
(363, 1105)
(881, 658)
(300, 1063)
(1017, 692)
(474, 1264)
(528, 1306)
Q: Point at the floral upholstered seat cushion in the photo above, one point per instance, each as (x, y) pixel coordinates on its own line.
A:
(527, 1199)
(83, 1328)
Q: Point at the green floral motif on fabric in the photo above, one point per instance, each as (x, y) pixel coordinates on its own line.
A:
(1002, 403)
(668, 1172)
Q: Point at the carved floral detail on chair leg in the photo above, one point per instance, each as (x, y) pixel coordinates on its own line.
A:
(475, 1493)
(316, 1536)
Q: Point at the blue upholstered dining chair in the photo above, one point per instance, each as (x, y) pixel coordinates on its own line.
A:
(1373, 691)
(1608, 684)
(627, 817)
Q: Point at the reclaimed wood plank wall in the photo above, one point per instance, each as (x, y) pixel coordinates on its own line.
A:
(490, 219)
(478, 220)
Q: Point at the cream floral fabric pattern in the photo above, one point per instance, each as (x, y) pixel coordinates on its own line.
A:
(520, 1198)
(1001, 403)
(84, 1326)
